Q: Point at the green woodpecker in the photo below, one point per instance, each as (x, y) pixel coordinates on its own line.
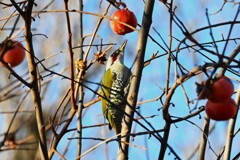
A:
(114, 89)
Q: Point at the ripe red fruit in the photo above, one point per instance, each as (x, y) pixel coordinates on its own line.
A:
(221, 111)
(126, 16)
(15, 54)
(221, 90)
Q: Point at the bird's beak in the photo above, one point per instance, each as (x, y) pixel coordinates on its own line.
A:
(123, 46)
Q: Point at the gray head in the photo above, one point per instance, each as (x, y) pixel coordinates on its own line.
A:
(117, 56)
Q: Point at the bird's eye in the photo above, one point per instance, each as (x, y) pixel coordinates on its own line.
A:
(115, 54)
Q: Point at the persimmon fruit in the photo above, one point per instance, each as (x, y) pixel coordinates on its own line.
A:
(126, 16)
(222, 110)
(221, 90)
(15, 53)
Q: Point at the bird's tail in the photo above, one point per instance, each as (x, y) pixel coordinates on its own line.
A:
(119, 136)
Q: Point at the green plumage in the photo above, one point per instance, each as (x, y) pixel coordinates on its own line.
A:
(105, 88)
(114, 83)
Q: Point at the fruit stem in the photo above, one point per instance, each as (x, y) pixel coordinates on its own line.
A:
(122, 4)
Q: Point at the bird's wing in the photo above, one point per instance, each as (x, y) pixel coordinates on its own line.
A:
(106, 89)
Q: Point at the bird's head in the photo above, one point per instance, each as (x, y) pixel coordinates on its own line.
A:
(116, 56)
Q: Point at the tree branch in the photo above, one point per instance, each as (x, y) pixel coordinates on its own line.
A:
(230, 132)
(136, 78)
(33, 72)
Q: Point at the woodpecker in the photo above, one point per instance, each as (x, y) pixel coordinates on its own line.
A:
(114, 89)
